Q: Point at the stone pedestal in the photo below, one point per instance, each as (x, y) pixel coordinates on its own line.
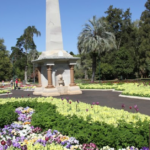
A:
(50, 92)
(63, 90)
(72, 90)
(38, 91)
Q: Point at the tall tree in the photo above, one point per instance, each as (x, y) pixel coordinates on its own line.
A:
(19, 62)
(144, 49)
(26, 41)
(95, 39)
(5, 64)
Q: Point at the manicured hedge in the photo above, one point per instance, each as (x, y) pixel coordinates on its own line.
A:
(100, 133)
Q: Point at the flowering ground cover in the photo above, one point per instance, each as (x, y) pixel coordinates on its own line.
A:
(28, 87)
(133, 89)
(81, 124)
(21, 135)
(4, 91)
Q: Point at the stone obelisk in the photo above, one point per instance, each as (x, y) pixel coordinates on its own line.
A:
(53, 26)
(55, 62)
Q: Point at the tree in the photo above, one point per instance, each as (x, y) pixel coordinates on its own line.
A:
(32, 55)
(71, 53)
(5, 64)
(124, 63)
(84, 64)
(26, 41)
(19, 62)
(95, 39)
(144, 48)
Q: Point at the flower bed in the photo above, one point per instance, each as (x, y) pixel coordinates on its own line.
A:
(28, 88)
(4, 91)
(133, 89)
(85, 129)
(21, 135)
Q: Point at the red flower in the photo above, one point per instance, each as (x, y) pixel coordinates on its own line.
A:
(123, 106)
(130, 107)
(70, 102)
(3, 142)
(46, 138)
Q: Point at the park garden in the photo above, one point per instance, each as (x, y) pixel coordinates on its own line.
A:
(113, 49)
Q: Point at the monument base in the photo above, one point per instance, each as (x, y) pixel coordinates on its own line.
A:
(38, 91)
(73, 90)
(57, 91)
(50, 92)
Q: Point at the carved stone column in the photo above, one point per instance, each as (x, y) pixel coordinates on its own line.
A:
(39, 77)
(49, 77)
(72, 75)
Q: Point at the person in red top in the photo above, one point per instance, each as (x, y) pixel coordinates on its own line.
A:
(16, 83)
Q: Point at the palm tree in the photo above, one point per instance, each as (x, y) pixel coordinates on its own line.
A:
(26, 41)
(95, 39)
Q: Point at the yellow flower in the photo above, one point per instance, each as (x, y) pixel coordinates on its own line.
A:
(64, 138)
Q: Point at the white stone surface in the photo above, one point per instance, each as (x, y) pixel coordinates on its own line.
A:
(56, 54)
(53, 26)
(44, 76)
(38, 91)
(63, 69)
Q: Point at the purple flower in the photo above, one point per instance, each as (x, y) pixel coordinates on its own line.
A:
(144, 148)
(93, 103)
(68, 145)
(86, 109)
(135, 106)
(64, 142)
(123, 106)
(9, 142)
(16, 145)
(24, 147)
(137, 109)
(97, 103)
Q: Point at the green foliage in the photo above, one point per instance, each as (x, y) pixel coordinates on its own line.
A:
(124, 63)
(8, 115)
(19, 60)
(100, 133)
(95, 39)
(26, 42)
(105, 70)
(5, 64)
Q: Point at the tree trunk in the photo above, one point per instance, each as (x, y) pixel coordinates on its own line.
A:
(85, 74)
(25, 74)
(93, 66)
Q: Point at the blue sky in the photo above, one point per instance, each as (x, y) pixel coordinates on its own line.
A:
(16, 15)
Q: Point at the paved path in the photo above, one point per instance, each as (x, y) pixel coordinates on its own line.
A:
(105, 98)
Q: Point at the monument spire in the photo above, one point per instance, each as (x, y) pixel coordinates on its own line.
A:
(54, 39)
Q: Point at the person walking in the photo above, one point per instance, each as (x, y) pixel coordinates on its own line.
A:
(3, 83)
(16, 83)
(11, 82)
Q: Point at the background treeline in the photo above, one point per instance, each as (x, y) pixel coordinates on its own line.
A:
(131, 56)
(18, 62)
(128, 58)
